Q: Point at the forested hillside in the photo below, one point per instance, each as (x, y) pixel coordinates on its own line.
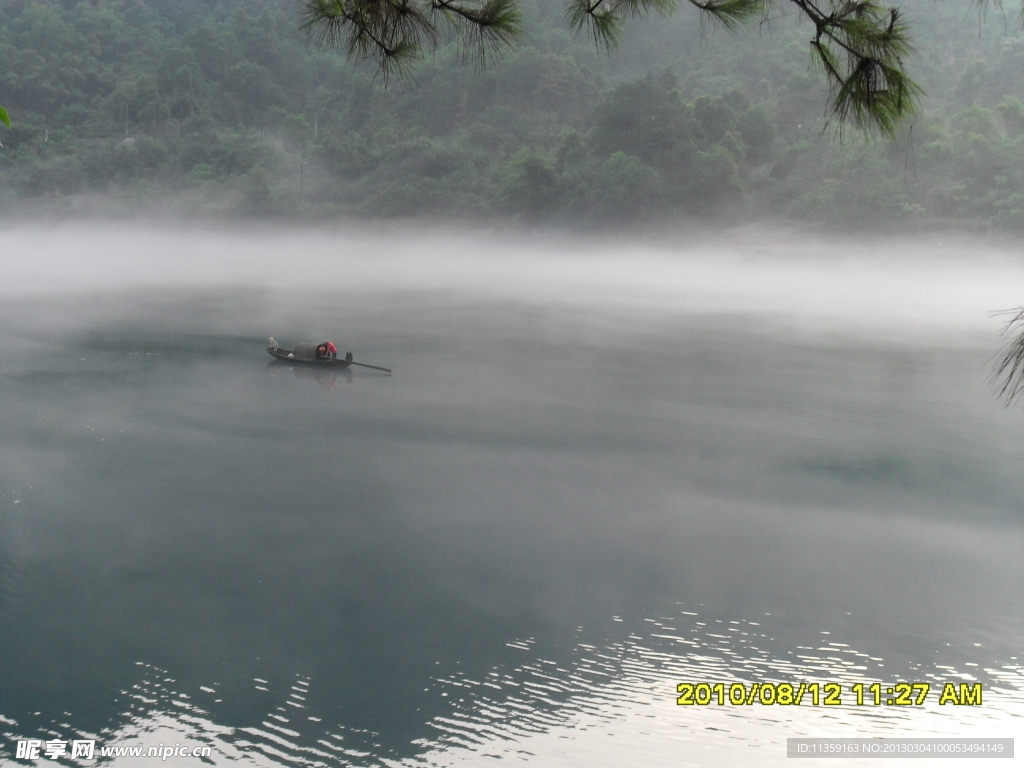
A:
(214, 107)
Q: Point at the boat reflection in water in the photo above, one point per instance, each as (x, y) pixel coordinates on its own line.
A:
(325, 376)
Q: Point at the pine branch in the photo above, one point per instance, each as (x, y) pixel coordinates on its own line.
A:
(859, 45)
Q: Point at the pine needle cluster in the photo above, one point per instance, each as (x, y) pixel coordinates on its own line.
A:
(395, 33)
(860, 45)
(1008, 367)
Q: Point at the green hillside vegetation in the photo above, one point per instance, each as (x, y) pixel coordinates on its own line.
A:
(223, 107)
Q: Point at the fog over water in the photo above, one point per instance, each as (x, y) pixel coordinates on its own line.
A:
(600, 468)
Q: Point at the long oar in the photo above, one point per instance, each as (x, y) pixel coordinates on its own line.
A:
(367, 365)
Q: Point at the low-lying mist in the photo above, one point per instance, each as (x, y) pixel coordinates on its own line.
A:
(901, 286)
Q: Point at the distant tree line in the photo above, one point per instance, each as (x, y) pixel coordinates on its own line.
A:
(223, 107)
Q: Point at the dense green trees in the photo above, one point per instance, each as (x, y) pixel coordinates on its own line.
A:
(222, 106)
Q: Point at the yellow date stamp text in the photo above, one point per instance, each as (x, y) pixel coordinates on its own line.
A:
(826, 694)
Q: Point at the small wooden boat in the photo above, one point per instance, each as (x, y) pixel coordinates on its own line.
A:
(305, 353)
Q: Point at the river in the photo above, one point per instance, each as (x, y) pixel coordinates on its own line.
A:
(599, 469)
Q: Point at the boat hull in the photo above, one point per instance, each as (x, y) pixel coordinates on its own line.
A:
(283, 355)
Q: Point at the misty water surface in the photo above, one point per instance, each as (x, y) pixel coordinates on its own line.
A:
(598, 470)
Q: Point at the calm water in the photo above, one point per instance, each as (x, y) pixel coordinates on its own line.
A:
(580, 487)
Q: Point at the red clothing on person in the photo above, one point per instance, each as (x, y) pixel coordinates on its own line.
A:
(331, 349)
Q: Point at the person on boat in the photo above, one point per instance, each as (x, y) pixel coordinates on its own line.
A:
(330, 350)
